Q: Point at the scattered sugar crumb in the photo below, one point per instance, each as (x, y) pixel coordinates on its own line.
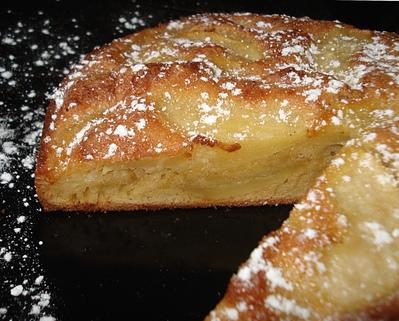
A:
(17, 290)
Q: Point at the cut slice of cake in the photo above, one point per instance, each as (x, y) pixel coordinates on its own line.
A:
(337, 255)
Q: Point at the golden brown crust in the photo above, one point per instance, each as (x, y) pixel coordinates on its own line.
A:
(151, 207)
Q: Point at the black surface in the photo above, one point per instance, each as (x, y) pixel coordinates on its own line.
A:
(165, 265)
(169, 265)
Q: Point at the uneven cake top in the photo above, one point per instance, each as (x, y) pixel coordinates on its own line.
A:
(218, 79)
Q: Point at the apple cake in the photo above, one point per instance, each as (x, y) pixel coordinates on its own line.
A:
(246, 109)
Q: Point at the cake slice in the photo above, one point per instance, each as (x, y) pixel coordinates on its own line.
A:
(337, 255)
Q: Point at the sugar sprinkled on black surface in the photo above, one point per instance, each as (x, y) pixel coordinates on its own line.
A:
(35, 56)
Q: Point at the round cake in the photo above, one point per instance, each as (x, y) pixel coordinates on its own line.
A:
(246, 109)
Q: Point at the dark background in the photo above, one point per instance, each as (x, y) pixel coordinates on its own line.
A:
(165, 265)
(378, 15)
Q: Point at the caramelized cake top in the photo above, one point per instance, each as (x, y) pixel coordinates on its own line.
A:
(219, 80)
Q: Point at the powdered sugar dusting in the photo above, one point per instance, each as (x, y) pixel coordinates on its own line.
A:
(290, 307)
(299, 77)
(380, 235)
(37, 53)
(257, 263)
